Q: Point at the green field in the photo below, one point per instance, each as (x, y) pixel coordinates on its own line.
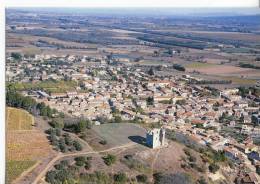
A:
(199, 65)
(240, 81)
(18, 119)
(15, 168)
(49, 86)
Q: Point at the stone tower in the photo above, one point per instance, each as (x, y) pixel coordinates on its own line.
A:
(155, 138)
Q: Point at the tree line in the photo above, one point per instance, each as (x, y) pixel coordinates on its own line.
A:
(15, 99)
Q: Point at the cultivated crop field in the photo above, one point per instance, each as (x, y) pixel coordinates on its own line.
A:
(50, 86)
(16, 168)
(18, 119)
(25, 145)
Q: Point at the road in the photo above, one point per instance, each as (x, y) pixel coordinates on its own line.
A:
(62, 156)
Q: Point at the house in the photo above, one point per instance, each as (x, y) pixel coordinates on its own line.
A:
(248, 178)
(255, 119)
(58, 95)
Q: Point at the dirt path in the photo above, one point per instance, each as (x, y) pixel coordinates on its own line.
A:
(61, 156)
(154, 160)
(26, 172)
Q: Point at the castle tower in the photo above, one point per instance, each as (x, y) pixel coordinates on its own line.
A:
(155, 138)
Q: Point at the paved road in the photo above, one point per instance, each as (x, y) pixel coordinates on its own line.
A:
(61, 156)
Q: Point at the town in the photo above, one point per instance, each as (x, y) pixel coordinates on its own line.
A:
(132, 96)
(108, 90)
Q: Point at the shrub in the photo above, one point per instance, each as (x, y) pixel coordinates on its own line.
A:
(103, 142)
(120, 178)
(142, 178)
(87, 165)
(201, 180)
(187, 151)
(109, 159)
(213, 167)
(192, 159)
(258, 170)
(57, 123)
(58, 132)
(178, 178)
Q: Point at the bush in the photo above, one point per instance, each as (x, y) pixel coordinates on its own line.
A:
(109, 159)
(142, 178)
(187, 151)
(213, 167)
(57, 123)
(120, 178)
(58, 132)
(201, 180)
(103, 142)
(258, 170)
(192, 159)
(178, 178)
(87, 165)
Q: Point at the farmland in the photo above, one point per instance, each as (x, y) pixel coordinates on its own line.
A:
(25, 144)
(50, 86)
(16, 168)
(19, 119)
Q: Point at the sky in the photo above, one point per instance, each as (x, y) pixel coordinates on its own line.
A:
(131, 3)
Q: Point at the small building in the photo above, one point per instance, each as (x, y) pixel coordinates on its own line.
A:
(155, 138)
(255, 119)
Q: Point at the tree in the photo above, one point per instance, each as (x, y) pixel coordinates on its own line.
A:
(57, 123)
(82, 125)
(117, 119)
(77, 145)
(150, 100)
(80, 161)
(58, 132)
(16, 56)
(151, 72)
(50, 176)
(68, 140)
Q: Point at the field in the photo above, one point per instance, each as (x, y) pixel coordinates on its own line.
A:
(118, 134)
(241, 81)
(19, 119)
(196, 65)
(16, 168)
(222, 70)
(115, 134)
(50, 86)
(25, 144)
